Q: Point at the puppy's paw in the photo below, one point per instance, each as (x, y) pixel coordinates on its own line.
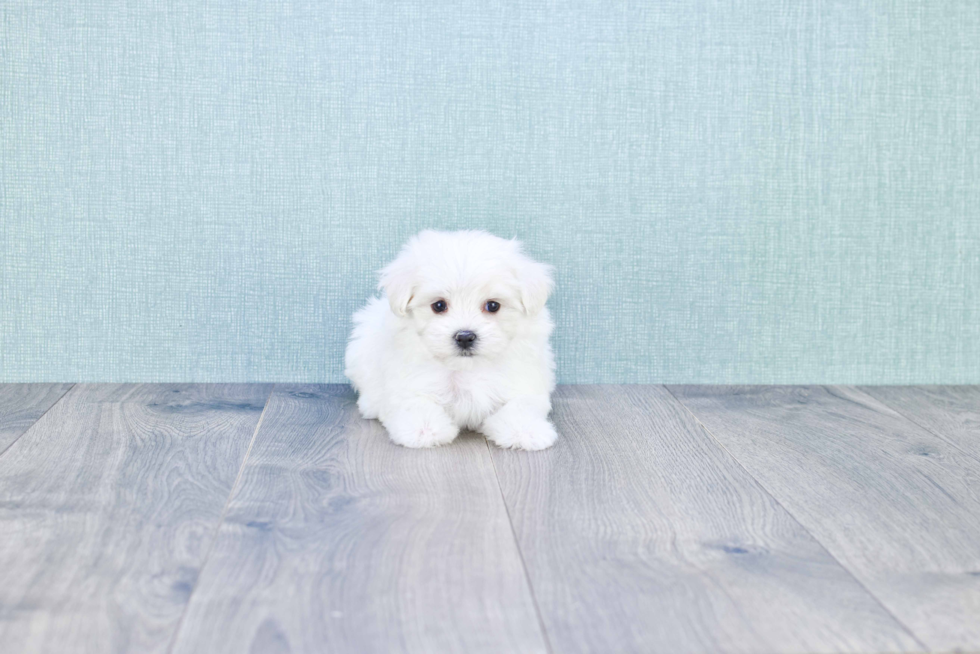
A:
(423, 426)
(529, 434)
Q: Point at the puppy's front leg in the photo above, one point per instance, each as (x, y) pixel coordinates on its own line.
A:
(522, 423)
(419, 423)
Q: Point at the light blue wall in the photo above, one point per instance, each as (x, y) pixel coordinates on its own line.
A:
(751, 191)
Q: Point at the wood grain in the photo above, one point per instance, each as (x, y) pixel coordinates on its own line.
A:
(21, 405)
(107, 508)
(898, 506)
(640, 534)
(337, 540)
(951, 412)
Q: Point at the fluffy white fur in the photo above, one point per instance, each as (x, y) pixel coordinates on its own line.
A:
(414, 377)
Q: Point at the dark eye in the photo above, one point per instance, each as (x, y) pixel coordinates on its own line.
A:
(492, 306)
(439, 306)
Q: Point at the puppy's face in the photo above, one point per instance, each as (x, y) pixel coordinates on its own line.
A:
(473, 320)
(467, 294)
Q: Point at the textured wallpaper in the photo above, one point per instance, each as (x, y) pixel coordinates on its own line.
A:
(754, 191)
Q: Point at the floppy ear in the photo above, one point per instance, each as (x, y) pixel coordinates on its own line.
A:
(534, 282)
(398, 281)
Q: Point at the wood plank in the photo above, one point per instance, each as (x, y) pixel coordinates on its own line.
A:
(107, 508)
(21, 405)
(641, 534)
(951, 412)
(337, 540)
(898, 506)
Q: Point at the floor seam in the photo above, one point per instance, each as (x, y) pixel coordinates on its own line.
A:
(520, 553)
(816, 540)
(221, 521)
(901, 414)
(31, 426)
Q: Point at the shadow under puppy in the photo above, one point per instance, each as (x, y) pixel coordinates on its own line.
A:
(460, 341)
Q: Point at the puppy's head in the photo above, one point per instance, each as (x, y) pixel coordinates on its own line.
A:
(467, 293)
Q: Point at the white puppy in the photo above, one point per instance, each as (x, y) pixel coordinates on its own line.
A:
(461, 342)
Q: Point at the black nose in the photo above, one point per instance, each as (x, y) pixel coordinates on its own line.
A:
(465, 339)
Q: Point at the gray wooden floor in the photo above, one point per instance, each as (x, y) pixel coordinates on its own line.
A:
(253, 518)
